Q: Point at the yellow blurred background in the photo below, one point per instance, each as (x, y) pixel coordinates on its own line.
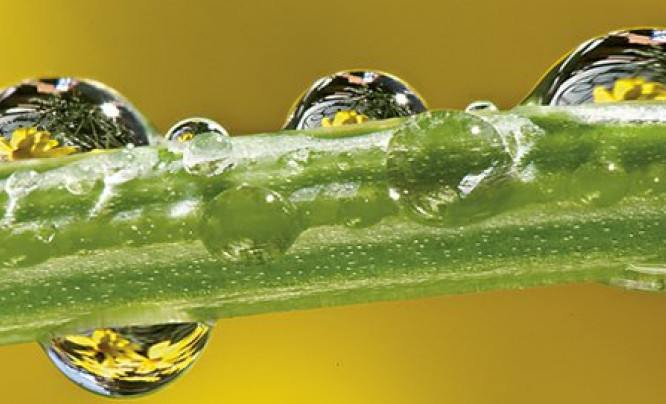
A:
(242, 64)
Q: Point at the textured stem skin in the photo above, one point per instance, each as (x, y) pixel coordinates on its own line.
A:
(584, 202)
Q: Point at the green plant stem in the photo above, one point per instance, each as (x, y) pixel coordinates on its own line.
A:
(583, 203)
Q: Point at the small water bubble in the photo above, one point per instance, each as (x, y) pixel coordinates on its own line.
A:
(128, 361)
(208, 154)
(189, 128)
(46, 233)
(599, 184)
(79, 180)
(22, 182)
(249, 224)
(481, 106)
(127, 164)
(298, 159)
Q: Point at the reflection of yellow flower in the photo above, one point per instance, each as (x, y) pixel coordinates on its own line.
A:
(631, 88)
(108, 354)
(186, 136)
(343, 118)
(32, 143)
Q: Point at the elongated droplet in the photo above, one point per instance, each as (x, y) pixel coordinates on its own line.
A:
(189, 128)
(620, 66)
(128, 361)
(249, 224)
(354, 96)
(434, 182)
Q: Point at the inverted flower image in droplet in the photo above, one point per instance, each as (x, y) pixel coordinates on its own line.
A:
(188, 128)
(354, 96)
(53, 117)
(620, 66)
(128, 361)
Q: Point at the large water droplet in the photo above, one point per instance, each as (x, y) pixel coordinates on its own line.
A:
(352, 97)
(79, 113)
(435, 175)
(189, 128)
(249, 224)
(208, 154)
(622, 65)
(128, 361)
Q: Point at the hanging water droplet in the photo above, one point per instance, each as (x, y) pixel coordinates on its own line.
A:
(649, 278)
(249, 224)
(128, 361)
(481, 106)
(354, 96)
(622, 65)
(81, 115)
(432, 175)
(208, 154)
(189, 128)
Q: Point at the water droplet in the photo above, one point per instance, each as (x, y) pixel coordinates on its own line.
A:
(128, 361)
(78, 179)
(124, 165)
(22, 182)
(650, 278)
(46, 233)
(189, 128)
(297, 160)
(435, 177)
(368, 206)
(76, 112)
(208, 154)
(481, 106)
(249, 224)
(353, 97)
(622, 65)
(599, 184)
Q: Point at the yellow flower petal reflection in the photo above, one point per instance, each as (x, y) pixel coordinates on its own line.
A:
(128, 361)
(343, 118)
(26, 143)
(630, 89)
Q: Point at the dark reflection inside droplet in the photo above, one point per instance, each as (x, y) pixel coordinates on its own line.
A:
(354, 97)
(75, 112)
(620, 66)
